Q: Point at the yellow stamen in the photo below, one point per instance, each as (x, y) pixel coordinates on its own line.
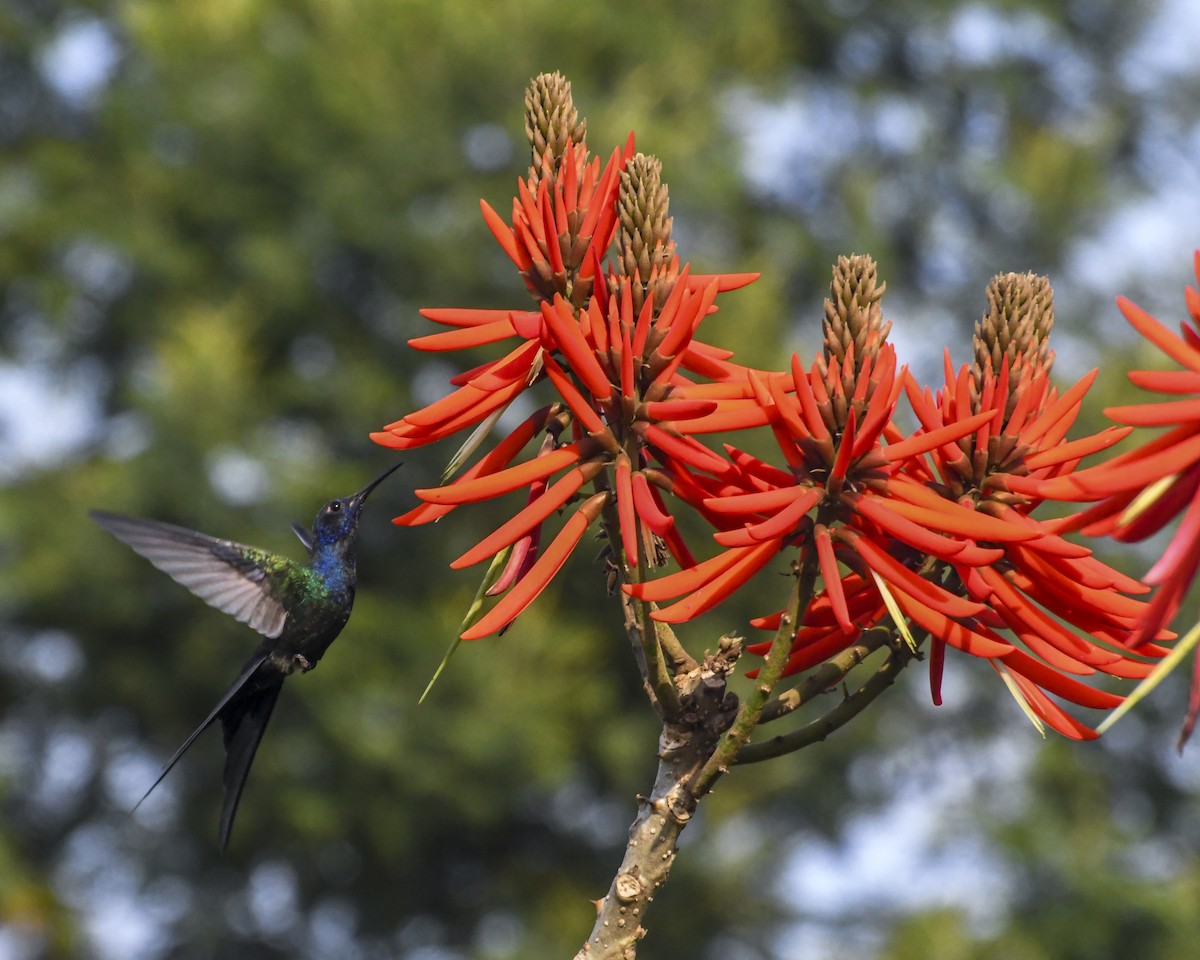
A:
(898, 617)
(1146, 499)
(478, 435)
(1154, 678)
(1019, 696)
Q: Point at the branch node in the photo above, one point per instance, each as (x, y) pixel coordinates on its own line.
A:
(628, 887)
(680, 809)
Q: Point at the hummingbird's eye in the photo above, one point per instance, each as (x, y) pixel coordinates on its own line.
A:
(335, 506)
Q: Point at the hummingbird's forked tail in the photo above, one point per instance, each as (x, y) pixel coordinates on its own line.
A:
(243, 721)
(243, 710)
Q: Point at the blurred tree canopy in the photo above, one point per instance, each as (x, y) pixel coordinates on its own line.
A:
(217, 223)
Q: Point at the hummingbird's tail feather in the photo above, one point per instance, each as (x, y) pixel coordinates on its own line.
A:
(244, 722)
(234, 688)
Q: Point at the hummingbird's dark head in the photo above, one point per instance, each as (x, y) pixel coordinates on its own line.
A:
(338, 519)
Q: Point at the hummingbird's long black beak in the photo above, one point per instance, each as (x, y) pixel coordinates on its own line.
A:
(356, 501)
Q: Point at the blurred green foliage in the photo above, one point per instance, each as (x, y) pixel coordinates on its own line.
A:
(217, 223)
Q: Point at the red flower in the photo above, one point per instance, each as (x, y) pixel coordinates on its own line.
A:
(1146, 488)
(1034, 583)
(573, 210)
(628, 393)
(616, 348)
(935, 528)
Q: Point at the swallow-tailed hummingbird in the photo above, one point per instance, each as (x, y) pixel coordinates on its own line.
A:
(299, 608)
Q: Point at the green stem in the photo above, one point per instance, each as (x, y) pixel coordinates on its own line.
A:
(681, 660)
(738, 734)
(657, 679)
(638, 626)
(843, 713)
(822, 678)
(663, 682)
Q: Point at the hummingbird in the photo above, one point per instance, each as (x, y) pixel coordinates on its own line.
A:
(299, 608)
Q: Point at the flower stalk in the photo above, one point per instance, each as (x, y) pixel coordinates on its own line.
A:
(815, 731)
(740, 731)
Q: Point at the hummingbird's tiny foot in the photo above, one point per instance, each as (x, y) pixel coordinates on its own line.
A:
(301, 663)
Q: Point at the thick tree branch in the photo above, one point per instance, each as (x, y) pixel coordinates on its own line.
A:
(685, 745)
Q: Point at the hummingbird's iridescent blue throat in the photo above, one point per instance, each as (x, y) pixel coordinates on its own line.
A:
(299, 608)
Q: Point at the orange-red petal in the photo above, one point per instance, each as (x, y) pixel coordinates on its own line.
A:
(534, 513)
(526, 590)
(748, 562)
(503, 481)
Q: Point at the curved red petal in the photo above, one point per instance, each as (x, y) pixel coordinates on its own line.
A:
(1159, 335)
(587, 417)
(832, 577)
(721, 587)
(465, 337)
(895, 573)
(569, 339)
(534, 513)
(502, 232)
(526, 590)
(626, 513)
(503, 481)
(951, 631)
(683, 581)
(922, 443)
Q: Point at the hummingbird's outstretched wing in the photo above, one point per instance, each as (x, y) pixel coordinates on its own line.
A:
(243, 722)
(235, 688)
(227, 575)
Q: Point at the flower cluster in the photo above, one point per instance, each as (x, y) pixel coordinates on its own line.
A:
(1144, 489)
(934, 529)
(617, 346)
(933, 532)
